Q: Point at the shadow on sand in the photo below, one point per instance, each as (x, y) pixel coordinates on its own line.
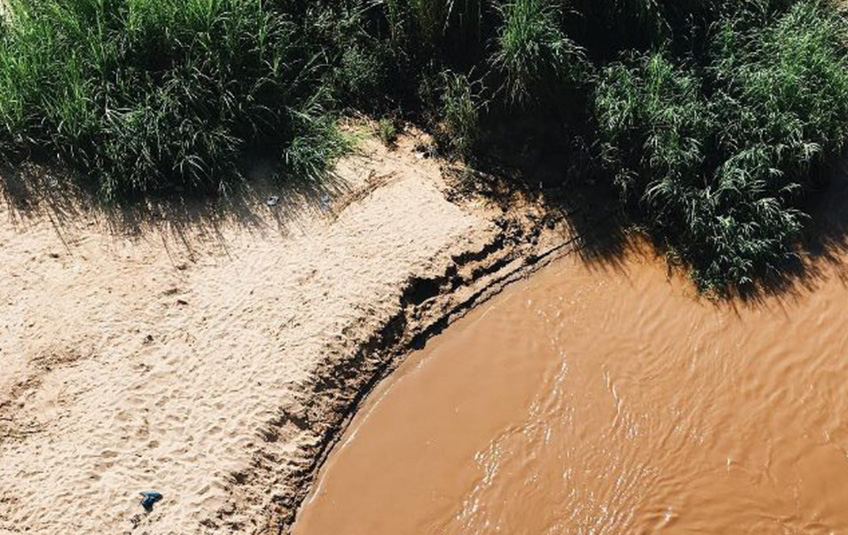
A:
(260, 205)
(570, 187)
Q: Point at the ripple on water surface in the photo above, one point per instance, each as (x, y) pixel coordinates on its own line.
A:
(605, 401)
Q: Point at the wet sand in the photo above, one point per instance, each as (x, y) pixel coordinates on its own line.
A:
(606, 400)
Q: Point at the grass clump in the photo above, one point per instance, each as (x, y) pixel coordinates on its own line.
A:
(387, 131)
(682, 26)
(315, 145)
(461, 108)
(533, 54)
(146, 96)
(441, 30)
(715, 159)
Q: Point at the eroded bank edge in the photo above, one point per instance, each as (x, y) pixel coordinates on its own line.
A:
(265, 497)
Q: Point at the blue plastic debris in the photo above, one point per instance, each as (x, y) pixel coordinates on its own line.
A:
(149, 498)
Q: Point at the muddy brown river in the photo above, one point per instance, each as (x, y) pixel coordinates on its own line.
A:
(606, 400)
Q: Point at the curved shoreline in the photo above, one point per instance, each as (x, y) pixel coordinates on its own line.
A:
(455, 281)
(340, 386)
(216, 355)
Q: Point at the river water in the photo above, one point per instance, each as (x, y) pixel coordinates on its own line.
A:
(606, 399)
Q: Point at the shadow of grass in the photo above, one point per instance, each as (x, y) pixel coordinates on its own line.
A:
(566, 178)
(562, 177)
(259, 203)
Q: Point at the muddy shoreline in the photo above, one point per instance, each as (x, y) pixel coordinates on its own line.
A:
(327, 402)
(529, 239)
(217, 355)
(591, 398)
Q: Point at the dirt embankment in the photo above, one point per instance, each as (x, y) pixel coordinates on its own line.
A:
(215, 356)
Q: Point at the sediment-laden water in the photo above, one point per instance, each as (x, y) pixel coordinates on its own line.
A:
(606, 400)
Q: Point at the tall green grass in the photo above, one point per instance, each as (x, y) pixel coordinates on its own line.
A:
(437, 28)
(533, 54)
(462, 105)
(610, 27)
(716, 156)
(152, 95)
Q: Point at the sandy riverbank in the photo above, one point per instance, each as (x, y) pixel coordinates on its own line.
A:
(213, 358)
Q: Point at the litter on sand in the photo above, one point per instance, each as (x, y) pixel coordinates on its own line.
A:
(149, 498)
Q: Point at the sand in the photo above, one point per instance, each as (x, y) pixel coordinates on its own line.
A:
(171, 355)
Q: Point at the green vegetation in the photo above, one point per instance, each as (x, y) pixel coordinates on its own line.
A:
(387, 131)
(533, 54)
(717, 154)
(713, 119)
(460, 111)
(151, 95)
